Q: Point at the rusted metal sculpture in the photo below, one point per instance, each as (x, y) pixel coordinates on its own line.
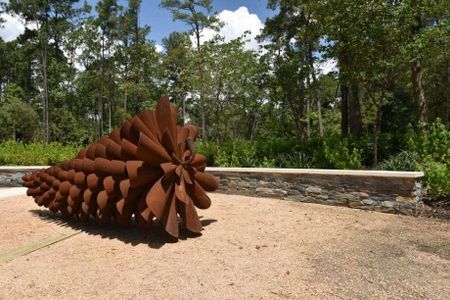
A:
(147, 169)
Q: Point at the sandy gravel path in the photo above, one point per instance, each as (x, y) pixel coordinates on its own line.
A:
(6, 192)
(251, 248)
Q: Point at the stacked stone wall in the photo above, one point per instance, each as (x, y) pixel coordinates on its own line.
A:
(391, 192)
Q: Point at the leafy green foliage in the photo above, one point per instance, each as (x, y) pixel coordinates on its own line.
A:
(404, 161)
(433, 147)
(428, 151)
(437, 178)
(37, 154)
(340, 155)
(18, 120)
(329, 152)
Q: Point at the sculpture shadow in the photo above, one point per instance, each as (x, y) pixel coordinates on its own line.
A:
(155, 238)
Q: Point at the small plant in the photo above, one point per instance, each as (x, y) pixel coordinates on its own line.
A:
(295, 160)
(437, 178)
(267, 163)
(428, 151)
(339, 155)
(403, 161)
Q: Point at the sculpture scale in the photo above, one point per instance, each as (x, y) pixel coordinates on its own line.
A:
(148, 168)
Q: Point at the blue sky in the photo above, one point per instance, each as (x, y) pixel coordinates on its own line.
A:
(238, 15)
(160, 19)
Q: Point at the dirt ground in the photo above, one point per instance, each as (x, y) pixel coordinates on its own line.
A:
(251, 248)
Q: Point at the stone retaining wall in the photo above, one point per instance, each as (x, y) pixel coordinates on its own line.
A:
(12, 176)
(383, 191)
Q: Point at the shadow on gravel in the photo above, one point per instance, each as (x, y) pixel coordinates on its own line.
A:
(155, 238)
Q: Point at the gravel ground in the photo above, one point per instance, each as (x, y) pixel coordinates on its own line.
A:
(6, 192)
(250, 248)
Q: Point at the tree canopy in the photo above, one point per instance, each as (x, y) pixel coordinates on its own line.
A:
(83, 70)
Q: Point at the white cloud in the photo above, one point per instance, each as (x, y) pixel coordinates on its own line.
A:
(159, 48)
(326, 66)
(235, 24)
(12, 28)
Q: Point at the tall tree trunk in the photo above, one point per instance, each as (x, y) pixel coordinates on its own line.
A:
(217, 129)
(109, 116)
(376, 134)
(202, 108)
(344, 110)
(417, 72)
(125, 100)
(298, 113)
(354, 111)
(14, 136)
(316, 91)
(308, 119)
(202, 94)
(184, 108)
(319, 106)
(137, 46)
(218, 111)
(44, 71)
(110, 103)
(100, 110)
(100, 99)
(45, 95)
(418, 92)
(254, 126)
(447, 102)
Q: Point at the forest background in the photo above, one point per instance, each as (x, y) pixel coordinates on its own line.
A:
(79, 70)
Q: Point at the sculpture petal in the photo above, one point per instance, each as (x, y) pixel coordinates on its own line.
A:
(199, 196)
(138, 127)
(125, 131)
(207, 181)
(166, 117)
(113, 150)
(158, 198)
(191, 219)
(180, 191)
(199, 162)
(141, 174)
(102, 200)
(128, 151)
(171, 220)
(115, 136)
(150, 152)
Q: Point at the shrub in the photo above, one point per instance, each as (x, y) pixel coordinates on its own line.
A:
(20, 154)
(428, 151)
(434, 149)
(208, 150)
(295, 160)
(340, 155)
(437, 178)
(403, 161)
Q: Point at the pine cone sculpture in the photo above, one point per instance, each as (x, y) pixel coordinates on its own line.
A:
(147, 169)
